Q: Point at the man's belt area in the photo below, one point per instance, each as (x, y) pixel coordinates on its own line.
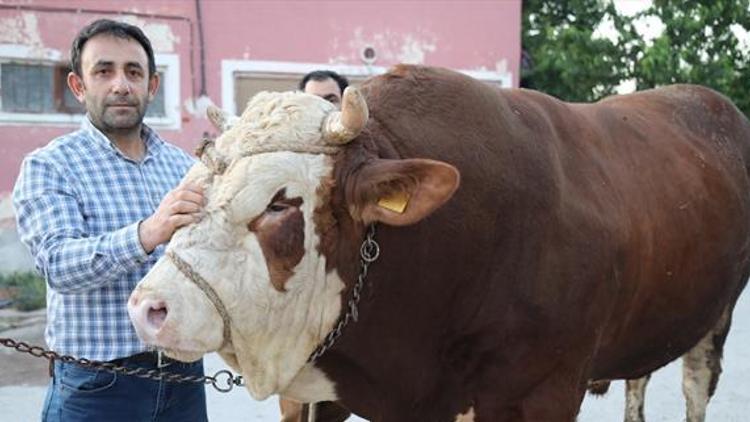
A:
(155, 359)
(145, 359)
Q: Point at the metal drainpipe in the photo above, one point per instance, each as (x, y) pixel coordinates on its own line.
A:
(201, 50)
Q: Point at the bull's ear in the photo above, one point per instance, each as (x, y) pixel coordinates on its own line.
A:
(400, 192)
(221, 119)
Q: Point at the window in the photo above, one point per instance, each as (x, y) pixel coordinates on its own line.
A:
(157, 107)
(43, 88)
(36, 91)
(35, 88)
(247, 84)
(241, 79)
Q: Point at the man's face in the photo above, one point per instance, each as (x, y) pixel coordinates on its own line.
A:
(327, 89)
(115, 86)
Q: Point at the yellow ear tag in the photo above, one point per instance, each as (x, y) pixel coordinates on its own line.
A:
(396, 202)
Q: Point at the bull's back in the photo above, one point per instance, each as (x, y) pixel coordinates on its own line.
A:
(652, 211)
(679, 170)
(626, 219)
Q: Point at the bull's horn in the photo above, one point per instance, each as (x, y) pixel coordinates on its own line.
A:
(221, 119)
(211, 158)
(342, 126)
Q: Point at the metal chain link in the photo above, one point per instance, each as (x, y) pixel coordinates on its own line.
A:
(223, 376)
(368, 253)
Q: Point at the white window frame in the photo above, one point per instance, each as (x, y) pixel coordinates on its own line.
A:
(231, 68)
(168, 64)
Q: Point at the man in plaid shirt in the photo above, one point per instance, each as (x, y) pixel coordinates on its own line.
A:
(95, 207)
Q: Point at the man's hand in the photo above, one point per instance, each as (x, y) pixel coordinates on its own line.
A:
(179, 207)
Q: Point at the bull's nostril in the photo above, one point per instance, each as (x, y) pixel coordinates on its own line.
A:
(157, 315)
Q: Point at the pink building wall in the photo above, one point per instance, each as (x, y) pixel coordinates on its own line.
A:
(481, 36)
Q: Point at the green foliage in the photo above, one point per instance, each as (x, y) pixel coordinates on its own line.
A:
(28, 290)
(699, 44)
(570, 61)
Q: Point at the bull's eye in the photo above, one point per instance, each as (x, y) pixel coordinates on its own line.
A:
(280, 203)
(277, 207)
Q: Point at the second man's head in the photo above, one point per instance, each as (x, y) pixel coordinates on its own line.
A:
(326, 84)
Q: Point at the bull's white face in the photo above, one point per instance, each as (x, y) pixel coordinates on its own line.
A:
(258, 247)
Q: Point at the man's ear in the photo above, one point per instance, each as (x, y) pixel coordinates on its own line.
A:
(400, 192)
(153, 86)
(75, 83)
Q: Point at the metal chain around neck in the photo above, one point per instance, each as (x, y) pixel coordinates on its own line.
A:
(368, 253)
(153, 374)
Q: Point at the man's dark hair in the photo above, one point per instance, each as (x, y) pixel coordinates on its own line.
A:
(322, 75)
(115, 29)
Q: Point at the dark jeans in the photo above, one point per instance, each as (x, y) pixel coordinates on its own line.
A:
(77, 393)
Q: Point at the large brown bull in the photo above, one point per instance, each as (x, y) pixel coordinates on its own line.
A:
(585, 241)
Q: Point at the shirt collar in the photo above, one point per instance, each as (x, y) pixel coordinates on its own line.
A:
(152, 140)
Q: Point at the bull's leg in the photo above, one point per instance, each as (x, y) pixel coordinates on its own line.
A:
(635, 396)
(327, 411)
(291, 411)
(701, 367)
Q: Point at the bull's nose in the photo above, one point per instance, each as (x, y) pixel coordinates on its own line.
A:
(148, 316)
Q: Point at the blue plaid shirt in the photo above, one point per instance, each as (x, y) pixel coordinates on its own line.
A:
(78, 203)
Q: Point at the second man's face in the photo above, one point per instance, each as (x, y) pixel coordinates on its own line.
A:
(327, 89)
(115, 87)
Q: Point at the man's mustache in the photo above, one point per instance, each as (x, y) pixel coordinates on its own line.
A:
(121, 102)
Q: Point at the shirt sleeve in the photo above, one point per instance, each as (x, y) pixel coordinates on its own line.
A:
(50, 223)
